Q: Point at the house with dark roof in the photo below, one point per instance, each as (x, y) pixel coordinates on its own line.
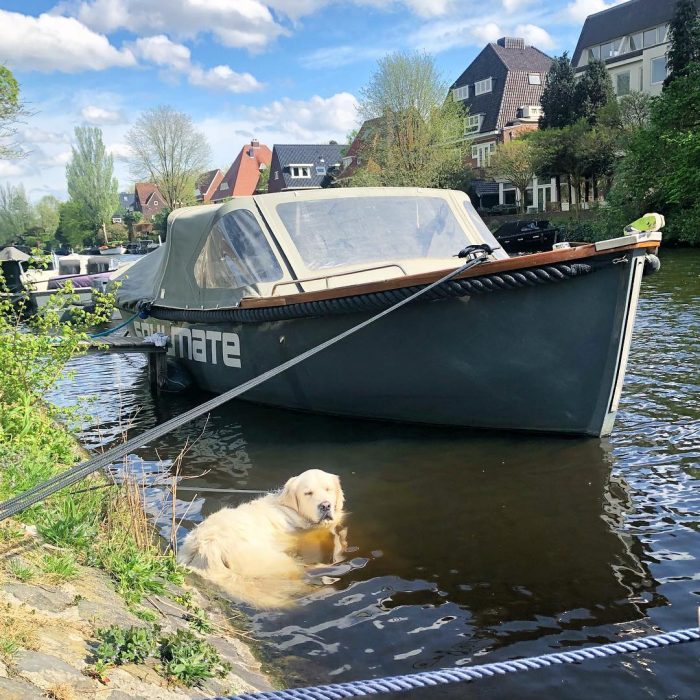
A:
(148, 200)
(501, 89)
(357, 153)
(207, 184)
(126, 203)
(632, 40)
(242, 177)
(304, 166)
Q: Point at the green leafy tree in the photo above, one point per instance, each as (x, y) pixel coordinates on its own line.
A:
(514, 161)
(16, 215)
(263, 180)
(90, 178)
(130, 218)
(47, 211)
(160, 222)
(11, 111)
(635, 110)
(558, 105)
(169, 151)
(419, 134)
(660, 169)
(684, 36)
(74, 229)
(593, 91)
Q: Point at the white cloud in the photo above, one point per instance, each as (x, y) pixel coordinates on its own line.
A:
(236, 23)
(99, 115)
(163, 52)
(119, 150)
(535, 36)
(48, 43)
(336, 56)
(315, 120)
(9, 168)
(222, 78)
(513, 5)
(578, 10)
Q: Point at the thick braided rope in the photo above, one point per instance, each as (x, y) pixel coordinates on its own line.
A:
(375, 301)
(444, 676)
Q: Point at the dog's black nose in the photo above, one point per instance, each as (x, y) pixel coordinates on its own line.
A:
(325, 506)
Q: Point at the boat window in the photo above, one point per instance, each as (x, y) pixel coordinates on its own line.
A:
(356, 230)
(236, 254)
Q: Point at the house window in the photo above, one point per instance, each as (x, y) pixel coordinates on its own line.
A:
(658, 70)
(224, 186)
(612, 48)
(277, 175)
(472, 124)
(534, 79)
(300, 170)
(636, 42)
(649, 38)
(320, 170)
(461, 93)
(481, 152)
(662, 34)
(483, 86)
(622, 84)
(155, 202)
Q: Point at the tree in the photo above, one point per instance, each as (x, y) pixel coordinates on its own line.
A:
(168, 151)
(514, 162)
(660, 169)
(160, 222)
(418, 135)
(635, 110)
(47, 211)
(11, 111)
(684, 36)
(130, 218)
(73, 228)
(593, 91)
(557, 99)
(90, 178)
(16, 216)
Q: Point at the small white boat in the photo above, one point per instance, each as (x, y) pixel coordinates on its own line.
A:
(116, 250)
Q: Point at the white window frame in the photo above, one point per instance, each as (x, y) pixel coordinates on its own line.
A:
(481, 152)
(461, 93)
(472, 121)
(651, 71)
(300, 170)
(481, 87)
(534, 79)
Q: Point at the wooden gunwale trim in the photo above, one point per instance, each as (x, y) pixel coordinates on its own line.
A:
(510, 264)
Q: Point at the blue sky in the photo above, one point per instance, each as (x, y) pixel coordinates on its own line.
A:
(283, 71)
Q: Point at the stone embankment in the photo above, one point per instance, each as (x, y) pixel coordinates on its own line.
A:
(48, 637)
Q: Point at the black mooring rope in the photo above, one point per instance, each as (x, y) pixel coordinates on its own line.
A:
(71, 476)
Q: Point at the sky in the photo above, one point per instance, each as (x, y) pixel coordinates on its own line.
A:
(282, 71)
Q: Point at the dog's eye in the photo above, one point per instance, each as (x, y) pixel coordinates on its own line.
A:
(309, 493)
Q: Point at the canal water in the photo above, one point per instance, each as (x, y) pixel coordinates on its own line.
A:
(467, 547)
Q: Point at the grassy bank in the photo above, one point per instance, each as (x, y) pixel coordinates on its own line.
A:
(95, 523)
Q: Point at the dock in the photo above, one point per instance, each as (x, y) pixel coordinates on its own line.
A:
(157, 356)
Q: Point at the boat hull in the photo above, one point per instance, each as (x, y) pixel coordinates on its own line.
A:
(548, 358)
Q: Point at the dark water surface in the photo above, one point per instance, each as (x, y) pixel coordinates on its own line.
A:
(471, 547)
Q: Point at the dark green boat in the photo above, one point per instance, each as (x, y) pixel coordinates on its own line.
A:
(537, 342)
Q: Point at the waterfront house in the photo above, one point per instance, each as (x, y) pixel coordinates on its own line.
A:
(242, 177)
(304, 166)
(148, 200)
(501, 89)
(126, 204)
(207, 185)
(632, 40)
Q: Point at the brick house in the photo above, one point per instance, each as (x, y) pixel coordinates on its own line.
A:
(304, 166)
(148, 200)
(501, 88)
(242, 177)
(207, 185)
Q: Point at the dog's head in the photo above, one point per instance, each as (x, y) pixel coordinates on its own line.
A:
(316, 495)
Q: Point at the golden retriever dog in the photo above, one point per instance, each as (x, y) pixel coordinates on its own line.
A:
(256, 552)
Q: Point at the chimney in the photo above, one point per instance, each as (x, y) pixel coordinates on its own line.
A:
(511, 42)
(255, 143)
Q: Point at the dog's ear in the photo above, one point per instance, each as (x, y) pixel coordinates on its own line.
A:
(339, 495)
(289, 495)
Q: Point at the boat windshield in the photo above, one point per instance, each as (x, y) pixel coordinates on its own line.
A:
(357, 230)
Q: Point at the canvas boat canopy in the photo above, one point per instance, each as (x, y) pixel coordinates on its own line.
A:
(289, 242)
(13, 254)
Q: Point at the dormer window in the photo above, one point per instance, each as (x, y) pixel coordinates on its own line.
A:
(461, 93)
(534, 79)
(223, 186)
(300, 170)
(483, 86)
(320, 170)
(472, 124)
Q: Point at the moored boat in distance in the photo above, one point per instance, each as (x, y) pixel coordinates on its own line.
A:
(536, 342)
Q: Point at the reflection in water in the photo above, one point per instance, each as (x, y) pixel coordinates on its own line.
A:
(471, 547)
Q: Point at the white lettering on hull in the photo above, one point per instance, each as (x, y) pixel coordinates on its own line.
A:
(196, 344)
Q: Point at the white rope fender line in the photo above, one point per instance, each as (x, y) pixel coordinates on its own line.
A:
(444, 676)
